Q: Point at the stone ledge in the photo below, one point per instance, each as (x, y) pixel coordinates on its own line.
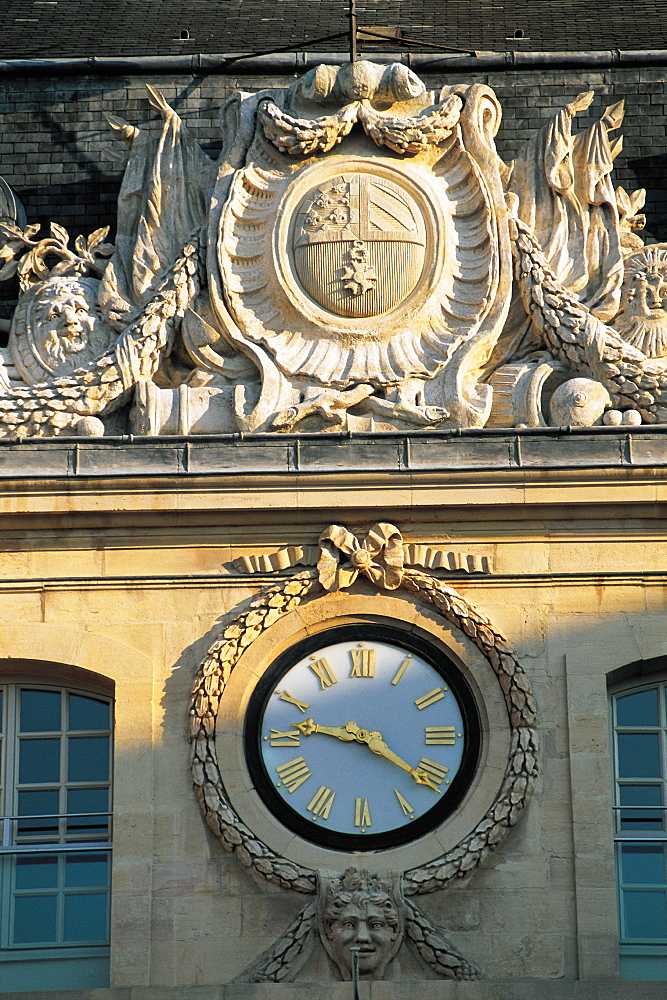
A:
(509, 451)
(498, 989)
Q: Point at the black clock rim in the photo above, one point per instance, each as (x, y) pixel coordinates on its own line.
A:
(411, 831)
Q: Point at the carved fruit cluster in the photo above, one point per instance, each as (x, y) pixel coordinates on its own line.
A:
(575, 335)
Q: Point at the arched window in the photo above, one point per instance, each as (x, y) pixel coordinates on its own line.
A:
(640, 807)
(55, 788)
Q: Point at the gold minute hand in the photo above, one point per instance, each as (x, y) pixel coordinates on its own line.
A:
(373, 740)
(377, 745)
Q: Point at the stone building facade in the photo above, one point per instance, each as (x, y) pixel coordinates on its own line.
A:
(177, 566)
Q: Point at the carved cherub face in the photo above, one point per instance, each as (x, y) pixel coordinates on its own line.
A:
(371, 926)
(58, 327)
(67, 319)
(642, 318)
(70, 319)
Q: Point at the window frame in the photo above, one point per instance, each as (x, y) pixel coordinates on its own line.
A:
(644, 958)
(63, 844)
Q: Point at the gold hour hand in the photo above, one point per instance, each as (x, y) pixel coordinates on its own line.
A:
(309, 726)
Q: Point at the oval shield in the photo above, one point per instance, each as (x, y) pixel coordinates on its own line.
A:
(358, 245)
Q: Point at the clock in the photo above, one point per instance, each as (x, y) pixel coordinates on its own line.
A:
(362, 737)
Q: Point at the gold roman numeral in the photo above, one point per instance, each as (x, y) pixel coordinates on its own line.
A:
(363, 663)
(430, 698)
(301, 705)
(321, 802)
(404, 804)
(440, 736)
(435, 771)
(362, 814)
(289, 739)
(401, 670)
(322, 669)
(294, 773)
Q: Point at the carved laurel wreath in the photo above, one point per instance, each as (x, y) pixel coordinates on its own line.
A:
(380, 558)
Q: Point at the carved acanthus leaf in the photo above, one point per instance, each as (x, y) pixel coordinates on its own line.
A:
(28, 258)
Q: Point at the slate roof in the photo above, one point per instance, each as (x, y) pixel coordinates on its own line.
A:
(82, 28)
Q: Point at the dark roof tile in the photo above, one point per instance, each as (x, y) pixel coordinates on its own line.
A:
(75, 28)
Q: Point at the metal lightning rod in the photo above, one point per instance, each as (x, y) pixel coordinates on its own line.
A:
(352, 14)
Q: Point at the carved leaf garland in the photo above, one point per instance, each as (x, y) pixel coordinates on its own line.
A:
(573, 334)
(213, 675)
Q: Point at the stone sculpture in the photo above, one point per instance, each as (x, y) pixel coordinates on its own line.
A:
(381, 558)
(358, 910)
(642, 317)
(361, 265)
(57, 327)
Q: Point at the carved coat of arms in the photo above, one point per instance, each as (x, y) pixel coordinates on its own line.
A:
(358, 258)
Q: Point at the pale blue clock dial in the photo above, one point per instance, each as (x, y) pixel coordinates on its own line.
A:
(362, 737)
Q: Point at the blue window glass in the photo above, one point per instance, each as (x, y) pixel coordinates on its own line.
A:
(643, 863)
(644, 797)
(56, 865)
(88, 713)
(40, 712)
(37, 871)
(640, 709)
(639, 755)
(39, 761)
(35, 919)
(88, 758)
(640, 745)
(45, 806)
(86, 917)
(87, 870)
(645, 915)
(82, 802)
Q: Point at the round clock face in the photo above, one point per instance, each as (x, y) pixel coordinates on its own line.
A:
(362, 738)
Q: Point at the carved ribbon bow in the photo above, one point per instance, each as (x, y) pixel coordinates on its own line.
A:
(379, 557)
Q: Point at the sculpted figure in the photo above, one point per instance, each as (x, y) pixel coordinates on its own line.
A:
(347, 264)
(361, 912)
(57, 328)
(642, 318)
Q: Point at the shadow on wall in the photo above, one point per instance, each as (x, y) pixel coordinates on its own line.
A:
(650, 172)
